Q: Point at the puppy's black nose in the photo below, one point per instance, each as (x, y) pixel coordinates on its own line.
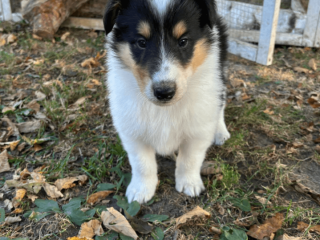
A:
(164, 91)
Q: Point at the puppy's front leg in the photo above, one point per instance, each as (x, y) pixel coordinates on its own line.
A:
(144, 171)
(191, 155)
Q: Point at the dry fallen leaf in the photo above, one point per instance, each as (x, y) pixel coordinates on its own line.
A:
(301, 70)
(13, 145)
(40, 96)
(11, 220)
(303, 226)
(77, 238)
(268, 111)
(270, 226)
(91, 229)
(90, 63)
(314, 100)
(209, 167)
(29, 127)
(263, 201)
(305, 190)
(17, 211)
(11, 38)
(312, 64)
(69, 182)
(33, 105)
(8, 204)
(115, 221)
(4, 164)
(52, 191)
(79, 102)
(34, 36)
(20, 193)
(197, 212)
(286, 237)
(65, 36)
(98, 196)
(32, 197)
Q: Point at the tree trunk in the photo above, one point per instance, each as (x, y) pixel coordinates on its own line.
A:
(92, 9)
(46, 16)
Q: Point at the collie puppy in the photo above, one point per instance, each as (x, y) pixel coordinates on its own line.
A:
(167, 87)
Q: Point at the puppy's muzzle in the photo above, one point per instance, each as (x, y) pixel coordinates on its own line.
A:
(164, 91)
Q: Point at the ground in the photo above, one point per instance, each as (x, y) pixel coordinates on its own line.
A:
(270, 165)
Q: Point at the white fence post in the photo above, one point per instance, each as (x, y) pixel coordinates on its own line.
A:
(6, 10)
(268, 31)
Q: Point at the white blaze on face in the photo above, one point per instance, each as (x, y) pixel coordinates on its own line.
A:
(160, 5)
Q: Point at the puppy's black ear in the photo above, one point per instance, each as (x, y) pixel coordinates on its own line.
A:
(208, 12)
(111, 13)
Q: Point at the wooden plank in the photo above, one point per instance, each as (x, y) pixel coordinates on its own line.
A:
(17, 17)
(1, 12)
(6, 10)
(246, 16)
(85, 23)
(296, 6)
(243, 49)
(270, 16)
(253, 36)
(317, 39)
(312, 21)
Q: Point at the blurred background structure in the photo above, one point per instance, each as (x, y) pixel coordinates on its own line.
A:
(255, 26)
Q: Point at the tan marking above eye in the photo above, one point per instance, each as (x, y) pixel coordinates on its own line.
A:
(144, 29)
(179, 29)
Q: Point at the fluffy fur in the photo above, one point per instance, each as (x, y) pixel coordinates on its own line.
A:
(166, 61)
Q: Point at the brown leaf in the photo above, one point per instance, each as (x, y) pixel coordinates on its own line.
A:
(301, 70)
(209, 167)
(38, 177)
(115, 221)
(40, 96)
(286, 237)
(69, 182)
(317, 140)
(17, 211)
(303, 226)
(20, 193)
(33, 105)
(305, 190)
(4, 164)
(52, 191)
(6, 109)
(32, 197)
(96, 197)
(65, 36)
(197, 212)
(312, 64)
(263, 201)
(268, 111)
(11, 220)
(270, 226)
(215, 230)
(314, 102)
(34, 36)
(91, 229)
(29, 127)
(11, 38)
(79, 102)
(90, 63)
(30, 185)
(13, 145)
(77, 238)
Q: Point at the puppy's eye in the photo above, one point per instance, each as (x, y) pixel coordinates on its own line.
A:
(142, 43)
(183, 42)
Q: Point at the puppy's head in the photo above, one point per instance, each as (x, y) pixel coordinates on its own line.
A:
(163, 42)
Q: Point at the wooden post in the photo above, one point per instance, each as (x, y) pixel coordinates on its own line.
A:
(268, 31)
(46, 16)
(5, 10)
(310, 31)
(317, 39)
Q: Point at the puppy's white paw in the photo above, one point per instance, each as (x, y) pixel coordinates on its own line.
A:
(221, 136)
(189, 185)
(141, 190)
